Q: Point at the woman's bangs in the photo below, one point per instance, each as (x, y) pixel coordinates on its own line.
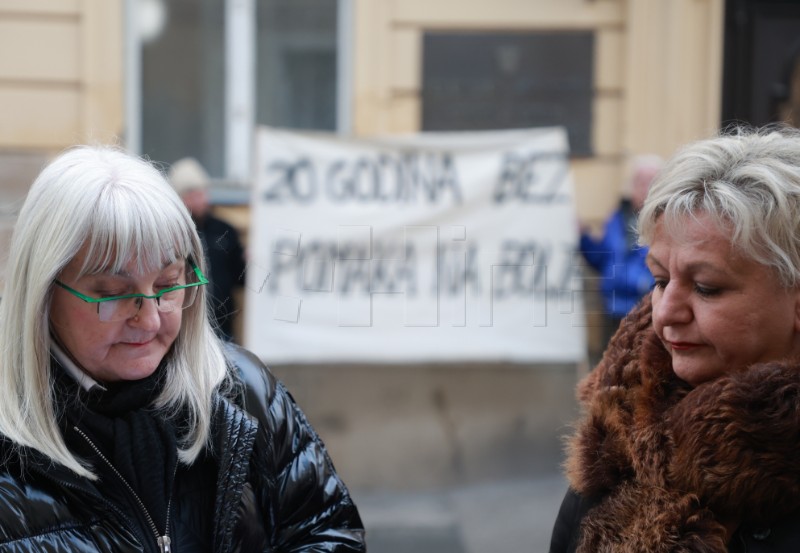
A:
(139, 229)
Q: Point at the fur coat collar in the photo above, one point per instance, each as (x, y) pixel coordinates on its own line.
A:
(676, 468)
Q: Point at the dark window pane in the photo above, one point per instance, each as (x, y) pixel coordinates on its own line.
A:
(183, 86)
(296, 75)
(762, 50)
(482, 81)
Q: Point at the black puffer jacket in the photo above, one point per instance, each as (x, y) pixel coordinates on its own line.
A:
(276, 489)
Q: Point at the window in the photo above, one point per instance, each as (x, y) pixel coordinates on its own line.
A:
(296, 72)
(203, 73)
(183, 86)
(482, 81)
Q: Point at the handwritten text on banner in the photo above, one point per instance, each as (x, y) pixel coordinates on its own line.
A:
(429, 247)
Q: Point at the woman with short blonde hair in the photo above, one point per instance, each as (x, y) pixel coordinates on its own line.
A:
(690, 437)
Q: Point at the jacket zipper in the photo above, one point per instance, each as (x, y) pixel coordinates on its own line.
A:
(164, 543)
(122, 516)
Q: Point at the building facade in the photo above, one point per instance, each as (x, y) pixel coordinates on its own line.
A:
(170, 78)
(72, 73)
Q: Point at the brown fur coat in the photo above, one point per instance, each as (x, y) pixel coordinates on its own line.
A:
(676, 466)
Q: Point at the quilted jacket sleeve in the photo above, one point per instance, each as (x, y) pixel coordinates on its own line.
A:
(309, 507)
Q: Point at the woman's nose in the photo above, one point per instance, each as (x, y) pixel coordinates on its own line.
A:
(671, 306)
(148, 317)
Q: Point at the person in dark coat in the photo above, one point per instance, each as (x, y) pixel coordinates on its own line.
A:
(691, 436)
(126, 424)
(221, 243)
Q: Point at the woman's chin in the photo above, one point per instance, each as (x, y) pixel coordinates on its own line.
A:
(694, 374)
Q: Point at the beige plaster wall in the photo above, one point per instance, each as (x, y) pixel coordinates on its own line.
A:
(657, 72)
(61, 66)
(657, 80)
(60, 73)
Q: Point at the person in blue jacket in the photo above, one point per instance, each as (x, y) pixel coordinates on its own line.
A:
(616, 257)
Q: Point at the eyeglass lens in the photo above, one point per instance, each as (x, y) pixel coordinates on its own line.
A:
(122, 309)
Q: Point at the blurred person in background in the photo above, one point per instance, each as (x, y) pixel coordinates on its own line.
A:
(691, 438)
(221, 243)
(616, 256)
(126, 423)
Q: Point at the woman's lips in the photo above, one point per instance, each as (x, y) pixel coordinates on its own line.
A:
(136, 344)
(683, 346)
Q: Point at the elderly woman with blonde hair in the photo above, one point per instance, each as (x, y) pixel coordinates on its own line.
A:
(691, 438)
(125, 423)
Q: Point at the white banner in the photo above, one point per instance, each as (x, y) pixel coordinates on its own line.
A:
(430, 247)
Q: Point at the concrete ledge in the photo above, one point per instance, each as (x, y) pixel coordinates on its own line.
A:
(419, 523)
(433, 426)
(508, 516)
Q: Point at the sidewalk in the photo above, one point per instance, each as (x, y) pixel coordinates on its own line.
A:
(513, 516)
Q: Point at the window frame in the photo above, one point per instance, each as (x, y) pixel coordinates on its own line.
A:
(240, 79)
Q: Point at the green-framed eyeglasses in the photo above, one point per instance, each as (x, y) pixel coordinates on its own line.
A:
(121, 308)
